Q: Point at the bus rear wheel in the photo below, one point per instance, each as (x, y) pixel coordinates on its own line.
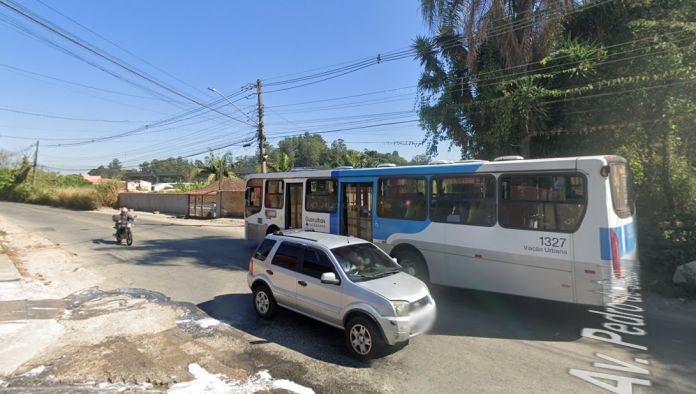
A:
(413, 264)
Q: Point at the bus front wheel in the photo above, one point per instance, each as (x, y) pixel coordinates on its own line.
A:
(413, 264)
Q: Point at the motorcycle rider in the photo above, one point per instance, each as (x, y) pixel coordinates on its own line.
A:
(122, 219)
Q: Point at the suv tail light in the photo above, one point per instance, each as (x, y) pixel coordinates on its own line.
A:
(615, 257)
(251, 266)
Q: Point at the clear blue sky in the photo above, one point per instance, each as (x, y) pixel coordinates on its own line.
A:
(190, 46)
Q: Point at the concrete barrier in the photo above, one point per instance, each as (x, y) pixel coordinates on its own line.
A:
(170, 203)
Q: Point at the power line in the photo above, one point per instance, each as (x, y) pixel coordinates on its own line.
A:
(69, 118)
(79, 84)
(113, 43)
(114, 61)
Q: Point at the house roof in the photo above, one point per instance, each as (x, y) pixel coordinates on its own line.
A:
(92, 178)
(228, 185)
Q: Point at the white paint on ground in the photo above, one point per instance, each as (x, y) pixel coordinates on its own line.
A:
(34, 372)
(206, 383)
(208, 322)
(204, 323)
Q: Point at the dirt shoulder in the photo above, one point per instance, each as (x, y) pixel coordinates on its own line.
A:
(60, 332)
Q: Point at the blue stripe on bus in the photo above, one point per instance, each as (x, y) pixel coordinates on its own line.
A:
(420, 170)
(333, 223)
(631, 237)
(383, 228)
(605, 242)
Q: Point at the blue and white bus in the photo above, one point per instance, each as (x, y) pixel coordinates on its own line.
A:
(559, 229)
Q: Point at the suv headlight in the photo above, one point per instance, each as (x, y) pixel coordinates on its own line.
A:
(402, 308)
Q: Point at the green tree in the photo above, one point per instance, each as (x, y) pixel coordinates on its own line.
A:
(420, 159)
(114, 169)
(477, 44)
(284, 164)
(338, 151)
(99, 171)
(308, 150)
(217, 167)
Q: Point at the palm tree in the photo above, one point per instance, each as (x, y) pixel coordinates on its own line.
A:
(504, 38)
(217, 167)
(284, 164)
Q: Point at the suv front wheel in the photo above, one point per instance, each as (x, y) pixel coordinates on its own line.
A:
(264, 303)
(363, 338)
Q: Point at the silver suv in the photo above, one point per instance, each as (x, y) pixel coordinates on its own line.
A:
(342, 281)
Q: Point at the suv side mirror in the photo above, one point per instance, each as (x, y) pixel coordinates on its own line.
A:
(329, 278)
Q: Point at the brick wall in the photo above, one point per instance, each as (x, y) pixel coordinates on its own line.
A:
(231, 204)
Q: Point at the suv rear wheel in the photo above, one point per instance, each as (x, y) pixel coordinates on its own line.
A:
(264, 303)
(363, 338)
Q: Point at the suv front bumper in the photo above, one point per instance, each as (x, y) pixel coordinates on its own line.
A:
(401, 329)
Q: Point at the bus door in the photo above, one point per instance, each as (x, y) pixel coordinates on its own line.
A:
(293, 208)
(356, 215)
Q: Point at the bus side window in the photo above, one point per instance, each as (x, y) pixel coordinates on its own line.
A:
(542, 202)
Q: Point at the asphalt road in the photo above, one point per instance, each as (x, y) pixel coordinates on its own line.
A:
(482, 342)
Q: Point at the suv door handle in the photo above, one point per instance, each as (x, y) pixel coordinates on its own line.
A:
(269, 272)
(302, 283)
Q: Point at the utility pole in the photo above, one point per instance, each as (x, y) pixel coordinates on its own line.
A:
(36, 159)
(262, 137)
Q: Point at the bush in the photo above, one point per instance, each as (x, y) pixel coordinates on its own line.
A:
(81, 196)
(24, 192)
(106, 194)
(666, 246)
(72, 181)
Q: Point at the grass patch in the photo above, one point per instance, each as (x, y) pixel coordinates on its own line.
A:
(76, 197)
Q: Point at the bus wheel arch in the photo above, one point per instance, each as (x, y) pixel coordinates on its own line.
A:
(412, 260)
(272, 229)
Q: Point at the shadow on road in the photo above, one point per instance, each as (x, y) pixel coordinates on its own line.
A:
(211, 251)
(288, 329)
(472, 313)
(461, 312)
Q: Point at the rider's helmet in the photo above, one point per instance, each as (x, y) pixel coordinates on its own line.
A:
(124, 210)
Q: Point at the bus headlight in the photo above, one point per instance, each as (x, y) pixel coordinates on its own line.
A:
(402, 308)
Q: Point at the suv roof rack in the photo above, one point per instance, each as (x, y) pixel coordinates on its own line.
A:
(291, 231)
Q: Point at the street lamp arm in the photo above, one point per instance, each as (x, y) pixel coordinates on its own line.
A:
(221, 95)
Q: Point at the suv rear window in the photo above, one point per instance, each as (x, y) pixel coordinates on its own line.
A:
(621, 189)
(287, 255)
(264, 249)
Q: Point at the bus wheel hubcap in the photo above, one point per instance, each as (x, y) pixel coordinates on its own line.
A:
(409, 267)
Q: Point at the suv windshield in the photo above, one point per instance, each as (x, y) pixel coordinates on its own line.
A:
(364, 261)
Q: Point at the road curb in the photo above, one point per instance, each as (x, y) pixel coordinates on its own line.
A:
(8, 271)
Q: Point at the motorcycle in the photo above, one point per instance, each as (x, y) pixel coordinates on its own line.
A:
(124, 230)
